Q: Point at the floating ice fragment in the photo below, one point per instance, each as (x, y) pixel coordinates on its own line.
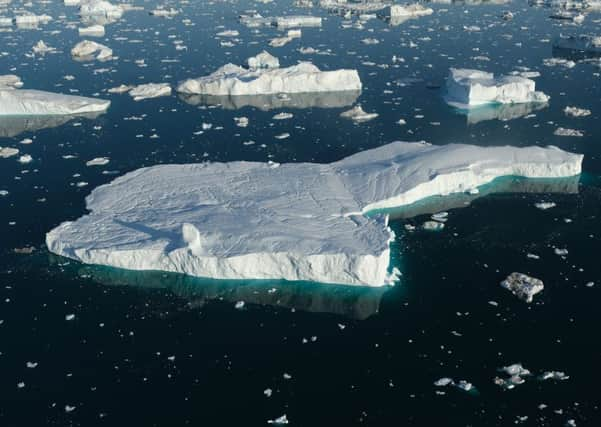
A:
(24, 159)
(6, 152)
(88, 50)
(98, 161)
(150, 90)
(357, 114)
(567, 132)
(299, 221)
(545, 205)
(407, 10)
(576, 112)
(241, 122)
(263, 60)
(302, 78)
(283, 116)
(432, 226)
(467, 88)
(42, 48)
(69, 317)
(279, 421)
(443, 382)
(165, 13)
(92, 31)
(523, 286)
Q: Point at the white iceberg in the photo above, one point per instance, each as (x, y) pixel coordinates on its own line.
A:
(31, 19)
(100, 8)
(27, 102)
(257, 20)
(263, 60)
(165, 13)
(150, 90)
(357, 115)
(298, 221)
(523, 286)
(304, 77)
(87, 50)
(467, 88)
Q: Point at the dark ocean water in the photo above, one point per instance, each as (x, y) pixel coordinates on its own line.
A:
(155, 349)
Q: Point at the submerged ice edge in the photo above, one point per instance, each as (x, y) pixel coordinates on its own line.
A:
(297, 221)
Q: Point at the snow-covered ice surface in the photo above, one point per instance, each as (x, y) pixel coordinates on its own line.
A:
(304, 77)
(292, 221)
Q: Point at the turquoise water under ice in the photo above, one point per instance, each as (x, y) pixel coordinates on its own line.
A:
(167, 350)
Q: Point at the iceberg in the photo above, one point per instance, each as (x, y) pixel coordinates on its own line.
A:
(296, 21)
(304, 77)
(408, 10)
(467, 88)
(523, 286)
(92, 31)
(357, 115)
(263, 60)
(150, 90)
(87, 50)
(31, 19)
(27, 102)
(100, 8)
(297, 221)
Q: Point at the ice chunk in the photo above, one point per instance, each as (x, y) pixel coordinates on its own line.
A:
(150, 90)
(87, 50)
(523, 286)
(31, 19)
(357, 114)
(298, 221)
(305, 77)
(263, 60)
(165, 13)
(92, 31)
(6, 152)
(568, 132)
(407, 10)
(576, 112)
(99, 8)
(10, 81)
(467, 88)
(297, 21)
(26, 102)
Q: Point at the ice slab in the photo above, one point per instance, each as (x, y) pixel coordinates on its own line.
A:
(27, 102)
(523, 286)
(293, 21)
(298, 221)
(263, 60)
(407, 10)
(304, 77)
(150, 90)
(87, 50)
(467, 88)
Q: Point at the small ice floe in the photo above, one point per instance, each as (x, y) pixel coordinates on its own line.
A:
(42, 48)
(507, 15)
(31, 20)
(25, 158)
(413, 10)
(567, 132)
(228, 33)
(523, 286)
(515, 374)
(432, 226)
(462, 384)
(268, 392)
(357, 115)
(241, 122)
(239, 305)
(545, 205)
(6, 152)
(88, 50)
(554, 62)
(576, 112)
(31, 365)
(10, 81)
(120, 89)
(164, 13)
(282, 41)
(280, 421)
(282, 135)
(283, 116)
(69, 317)
(560, 251)
(150, 90)
(69, 408)
(100, 8)
(553, 375)
(467, 88)
(98, 161)
(92, 31)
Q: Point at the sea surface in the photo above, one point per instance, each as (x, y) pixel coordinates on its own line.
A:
(94, 346)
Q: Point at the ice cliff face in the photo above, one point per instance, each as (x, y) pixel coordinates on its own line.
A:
(27, 102)
(467, 88)
(298, 221)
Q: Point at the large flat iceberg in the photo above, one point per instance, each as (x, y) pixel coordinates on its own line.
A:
(27, 102)
(467, 88)
(304, 77)
(297, 221)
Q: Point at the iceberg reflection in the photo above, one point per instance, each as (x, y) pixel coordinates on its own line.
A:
(11, 126)
(348, 301)
(270, 102)
(503, 112)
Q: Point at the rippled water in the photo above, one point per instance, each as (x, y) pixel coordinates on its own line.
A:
(167, 350)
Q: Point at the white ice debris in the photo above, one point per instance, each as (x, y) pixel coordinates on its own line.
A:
(98, 161)
(283, 420)
(523, 286)
(100, 8)
(32, 19)
(41, 48)
(6, 152)
(257, 20)
(515, 374)
(467, 88)
(545, 205)
(553, 62)
(263, 60)
(87, 50)
(92, 31)
(357, 115)
(553, 375)
(150, 90)
(297, 221)
(304, 77)
(407, 10)
(27, 102)
(567, 132)
(576, 112)
(165, 13)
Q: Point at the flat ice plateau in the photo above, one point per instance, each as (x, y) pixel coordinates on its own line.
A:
(467, 88)
(296, 221)
(304, 77)
(27, 102)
